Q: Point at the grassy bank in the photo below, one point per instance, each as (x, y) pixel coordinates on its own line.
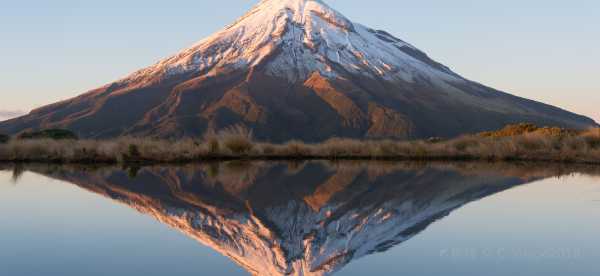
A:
(510, 144)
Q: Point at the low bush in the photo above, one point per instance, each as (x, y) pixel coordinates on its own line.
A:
(295, 149)
(133, 151)
(464, 143)
(55, 134)
(4, 139)
(238, 139)
(511, 130)
(592, 138)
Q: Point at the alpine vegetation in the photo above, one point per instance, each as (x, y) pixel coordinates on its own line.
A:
(237, 143)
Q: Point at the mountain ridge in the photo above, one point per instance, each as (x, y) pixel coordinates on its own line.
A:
(294, 69)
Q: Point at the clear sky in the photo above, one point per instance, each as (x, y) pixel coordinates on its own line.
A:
(547, 50)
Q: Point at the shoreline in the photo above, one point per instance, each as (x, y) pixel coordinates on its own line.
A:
(292, 158)
(520, 143)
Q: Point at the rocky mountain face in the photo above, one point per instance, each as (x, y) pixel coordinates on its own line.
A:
(299, 218)
(294, 69)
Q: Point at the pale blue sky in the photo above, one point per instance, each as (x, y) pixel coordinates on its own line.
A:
(544, 50)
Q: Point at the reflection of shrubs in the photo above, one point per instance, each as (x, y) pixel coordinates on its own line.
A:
(133, 172)
(213, 169)
(4, 139)
(55, 134)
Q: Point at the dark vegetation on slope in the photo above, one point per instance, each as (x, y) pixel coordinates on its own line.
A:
(522, 142)
(55, 134)
(4, 138)
(528, 129)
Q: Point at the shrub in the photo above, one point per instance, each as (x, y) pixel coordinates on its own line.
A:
(239, 145)
(296, 149)
(387, 148)
(529, 143)
(340, 147)
(464, 143)
(511, 130)
(213, 146)
(4, 139)
(133, 151)
(555, 132)
(55, 134)
(214, 169)
(420, 152)
(435, 140)
(268, 149)
(592, 138)
(238, 139)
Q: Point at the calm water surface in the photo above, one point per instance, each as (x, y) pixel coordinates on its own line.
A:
(301, 219)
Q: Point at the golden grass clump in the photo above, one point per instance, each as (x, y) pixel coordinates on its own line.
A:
(238, 139)
(511, 130)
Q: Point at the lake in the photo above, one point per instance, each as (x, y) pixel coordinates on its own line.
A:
(300, 218)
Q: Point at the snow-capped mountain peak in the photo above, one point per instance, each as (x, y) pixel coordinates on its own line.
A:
(302, 11)
(294, 70)
(295, 38)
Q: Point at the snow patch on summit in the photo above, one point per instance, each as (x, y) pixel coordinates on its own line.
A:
(295, 38)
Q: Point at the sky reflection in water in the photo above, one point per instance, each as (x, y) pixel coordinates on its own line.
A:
(312, 218)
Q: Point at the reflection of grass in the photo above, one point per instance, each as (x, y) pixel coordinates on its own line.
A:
(526, 143)
(218, 171)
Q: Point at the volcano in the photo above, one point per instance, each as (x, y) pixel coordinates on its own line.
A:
(294, 69)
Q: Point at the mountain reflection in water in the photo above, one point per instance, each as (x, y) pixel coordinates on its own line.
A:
(276, 218)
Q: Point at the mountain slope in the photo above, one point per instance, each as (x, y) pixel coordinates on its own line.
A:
(294, 69)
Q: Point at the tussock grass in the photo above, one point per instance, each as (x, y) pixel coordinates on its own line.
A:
(535, 144)
(237, 139)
